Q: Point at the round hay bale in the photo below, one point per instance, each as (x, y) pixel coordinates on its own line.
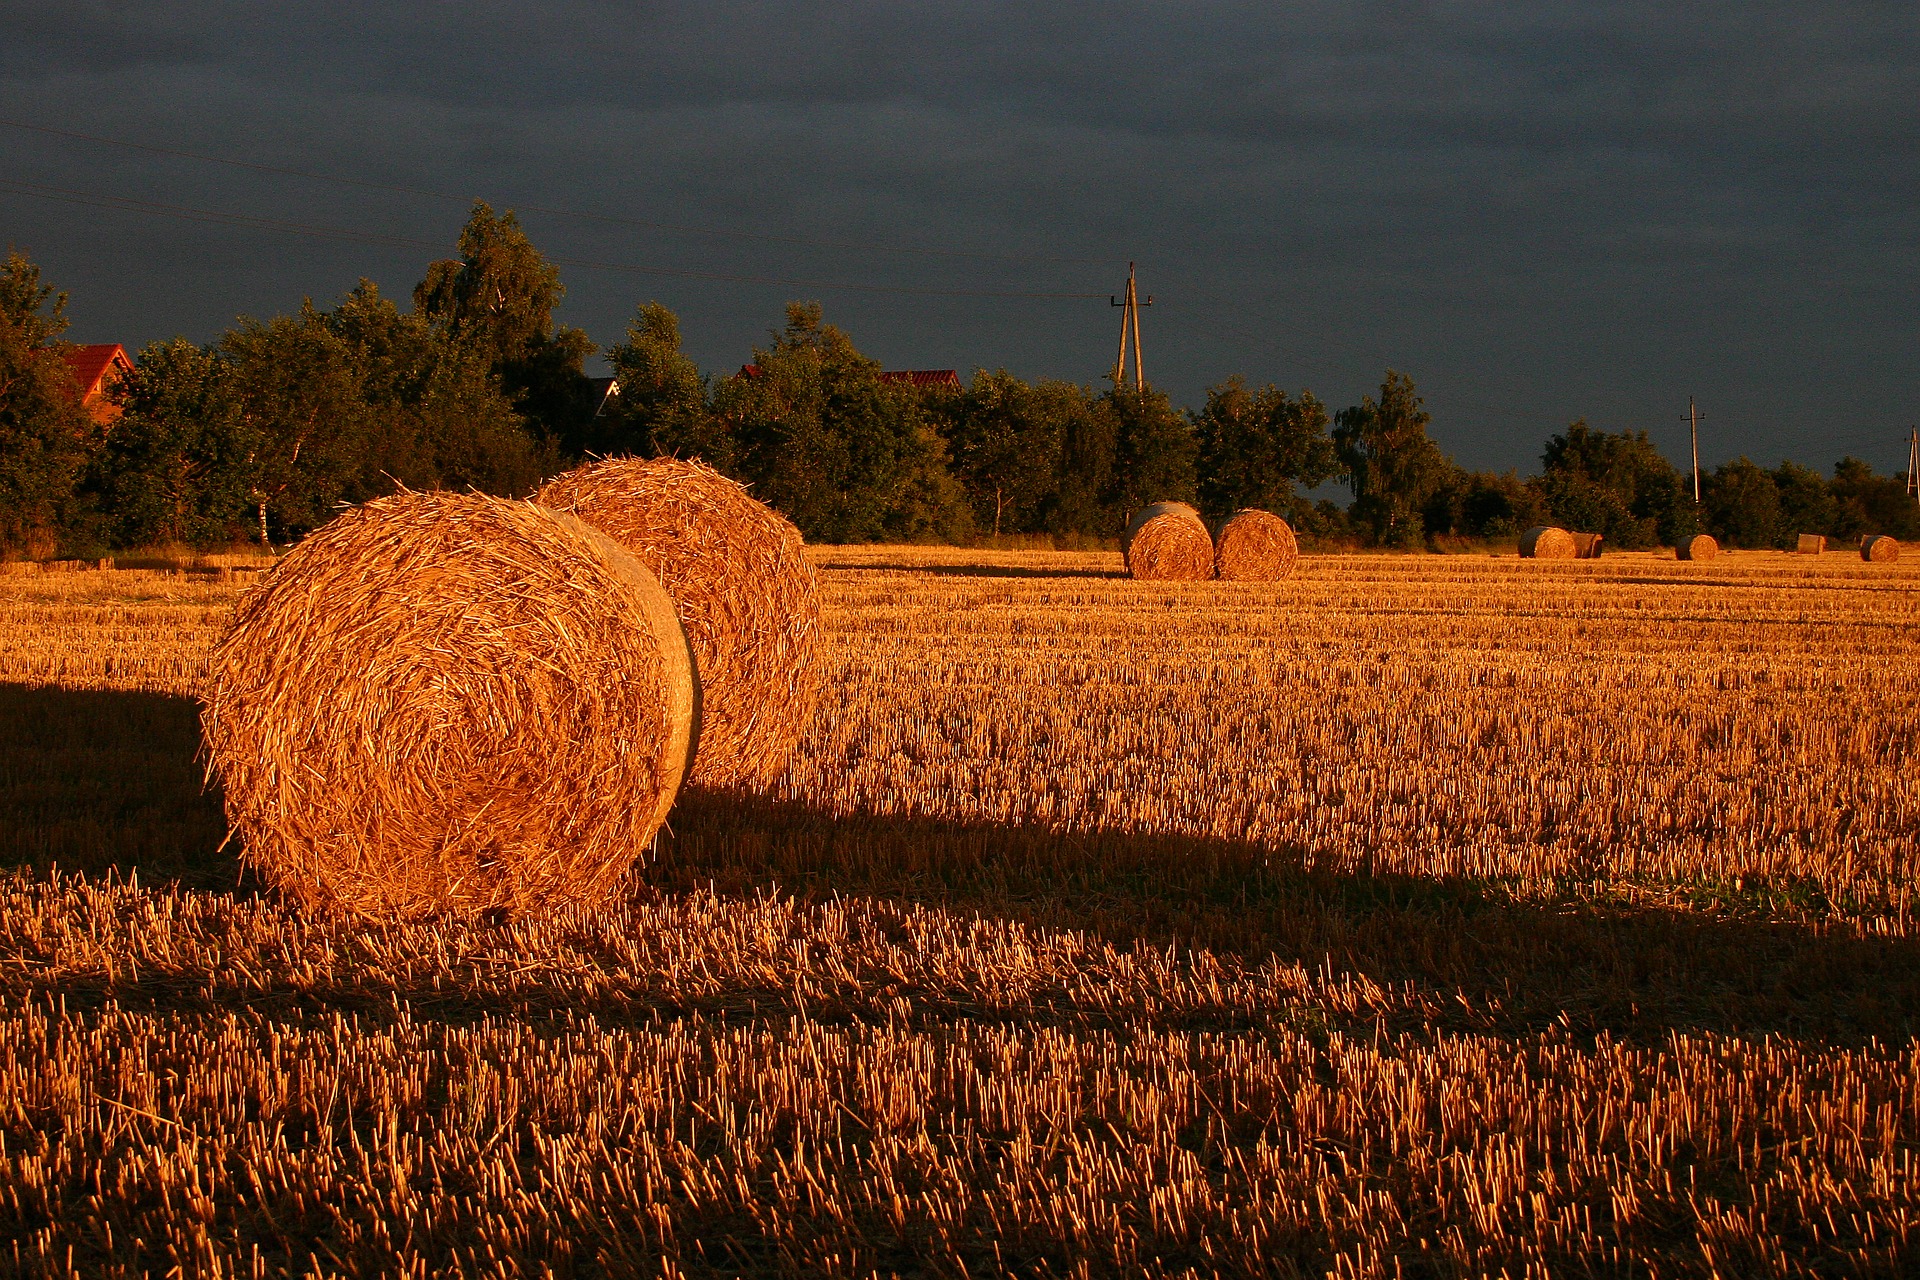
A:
(450, 704)
(1254, 546)
(1879, 549)
(1168, 541)
(1548, 543)
(1698, 547)
(738, 574)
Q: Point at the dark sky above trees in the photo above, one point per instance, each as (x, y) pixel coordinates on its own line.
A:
(1540, 211)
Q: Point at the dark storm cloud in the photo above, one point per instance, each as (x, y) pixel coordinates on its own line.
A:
(1538, 211)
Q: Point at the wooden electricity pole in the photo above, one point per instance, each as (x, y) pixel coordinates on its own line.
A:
(1913, 462)
(1129, 324)
(1693, 418)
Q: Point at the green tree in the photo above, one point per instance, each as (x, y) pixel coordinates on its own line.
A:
(175, 468)
(1742, 505)
(280, 421)
(497, 299)
(846, 456)
(45, 438)
(1155, 452)
(1080, 505)
(304, 419)
(662, 408)
(443, 420)
(1867, 503)
(1615, 484)
(1255, 446)
(1006, 436)
(1392, 466)
(1483, 504)
(1807, 504)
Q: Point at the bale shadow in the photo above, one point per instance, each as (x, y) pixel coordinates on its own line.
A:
(101, 781)
(1604, 964)
(108, 783)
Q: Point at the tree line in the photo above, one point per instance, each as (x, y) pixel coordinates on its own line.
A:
(263, 433)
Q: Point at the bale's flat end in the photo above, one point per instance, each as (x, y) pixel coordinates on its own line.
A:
(450, 704)
(1168, 542)
(1879, 549)
(1548, 542)
(1698, 547)
(1254, 546)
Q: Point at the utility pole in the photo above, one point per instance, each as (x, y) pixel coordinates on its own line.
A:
(1693, 417)
(1129, 323)
(1913, 462)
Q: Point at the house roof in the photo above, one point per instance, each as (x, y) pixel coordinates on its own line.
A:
(92, 363)
(923, 378)
(920, 379)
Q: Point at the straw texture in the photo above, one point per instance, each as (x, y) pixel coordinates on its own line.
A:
(1168, 541)
(1879, 549)
(1547, 543)
(450, 704)
(1698, 547)
(738, 574)
(1254, 546)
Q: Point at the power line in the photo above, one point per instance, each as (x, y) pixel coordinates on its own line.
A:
(550, 210)
(187, 213)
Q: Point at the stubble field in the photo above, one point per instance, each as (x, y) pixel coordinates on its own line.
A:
(1416, 916)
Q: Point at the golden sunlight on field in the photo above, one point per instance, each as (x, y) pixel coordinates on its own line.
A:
(1414, 915)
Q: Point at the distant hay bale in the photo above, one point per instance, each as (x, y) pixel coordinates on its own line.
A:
(446, 703)
(1879, 549)
(1547, 543)
(1587, 546)
(1812, 544)
(1168, 542)
(1698, 547)
(738, 574)
(1254, 546)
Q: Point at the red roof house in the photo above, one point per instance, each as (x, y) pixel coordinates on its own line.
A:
(95, 368)
(924, 379)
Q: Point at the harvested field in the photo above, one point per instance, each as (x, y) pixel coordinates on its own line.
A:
(1431, 915)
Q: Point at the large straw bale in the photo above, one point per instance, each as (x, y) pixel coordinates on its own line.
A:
(1168, 541)
(1587, 546)
(1879, 549)
(1254, 546)
(1547, 543)
(738, 574)
(446, 703)
(1811, 544)
(1699, 547)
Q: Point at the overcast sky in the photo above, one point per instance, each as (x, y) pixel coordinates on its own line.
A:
(1538, 211)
